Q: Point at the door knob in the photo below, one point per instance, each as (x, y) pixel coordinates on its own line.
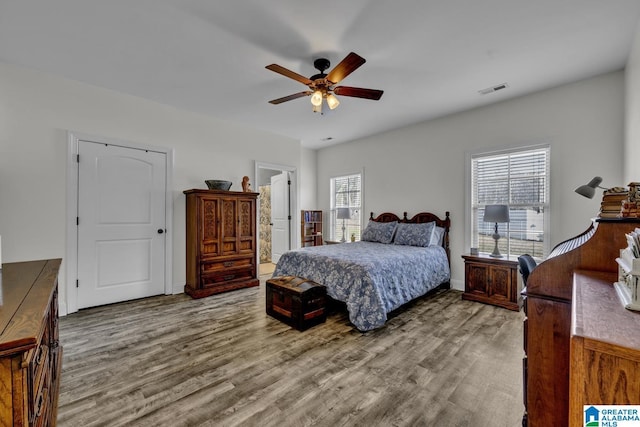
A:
(160, 231)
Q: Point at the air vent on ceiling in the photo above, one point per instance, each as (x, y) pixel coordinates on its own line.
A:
(493, 89)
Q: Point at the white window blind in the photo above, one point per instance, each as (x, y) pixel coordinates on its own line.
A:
(520, 180)
(346, 192)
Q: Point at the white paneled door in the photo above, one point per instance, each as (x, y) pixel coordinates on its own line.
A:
(121, 223)
(280, 216)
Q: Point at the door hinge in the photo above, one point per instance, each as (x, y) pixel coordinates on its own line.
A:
(289, 182)
(289, 217)
(77, 283)
(77, 220)
(77, 158)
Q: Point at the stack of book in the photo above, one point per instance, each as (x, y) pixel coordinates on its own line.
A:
(612, 199)
(631, 206)
(629, 209)
(628, 284)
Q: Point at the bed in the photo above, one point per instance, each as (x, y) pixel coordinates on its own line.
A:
(398, 260)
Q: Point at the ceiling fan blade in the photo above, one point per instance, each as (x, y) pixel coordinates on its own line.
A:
(348, 65)
(358, 92)
(288, 73)
(290, 97)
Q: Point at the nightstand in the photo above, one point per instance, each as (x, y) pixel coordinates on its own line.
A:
(493, 281)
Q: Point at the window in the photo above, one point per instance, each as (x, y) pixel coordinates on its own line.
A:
(519, 179)
(346, 192)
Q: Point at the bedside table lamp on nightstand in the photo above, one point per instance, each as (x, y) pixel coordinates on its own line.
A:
(344, 213)
(496, 214)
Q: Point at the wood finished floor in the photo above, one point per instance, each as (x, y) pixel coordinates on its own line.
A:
(221, 361)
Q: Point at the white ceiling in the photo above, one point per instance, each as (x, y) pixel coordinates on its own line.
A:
(431, 57)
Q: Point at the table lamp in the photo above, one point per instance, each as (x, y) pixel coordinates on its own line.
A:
(343, 214)
(496, 214)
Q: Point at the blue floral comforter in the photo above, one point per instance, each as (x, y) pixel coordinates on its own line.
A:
(371, 278)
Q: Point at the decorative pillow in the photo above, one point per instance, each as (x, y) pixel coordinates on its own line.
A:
(437, 236)
(414, 234)
(381, 232)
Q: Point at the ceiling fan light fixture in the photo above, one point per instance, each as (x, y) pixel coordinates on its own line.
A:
(323, 85)
(316, 98)
(332, 101)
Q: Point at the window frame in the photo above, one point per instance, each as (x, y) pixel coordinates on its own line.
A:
(334, 235)
(470, 208)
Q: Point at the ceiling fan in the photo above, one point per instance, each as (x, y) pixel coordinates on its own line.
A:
(323, 86)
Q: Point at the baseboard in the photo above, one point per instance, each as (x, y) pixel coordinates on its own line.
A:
(457, 284)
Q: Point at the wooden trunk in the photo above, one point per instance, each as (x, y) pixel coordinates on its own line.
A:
(298, 302)
(30, 352)
(221, 241)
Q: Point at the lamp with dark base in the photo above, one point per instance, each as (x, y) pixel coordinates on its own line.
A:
(343, 214)
(496, 214)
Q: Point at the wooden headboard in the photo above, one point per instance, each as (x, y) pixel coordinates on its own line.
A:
(420, 218)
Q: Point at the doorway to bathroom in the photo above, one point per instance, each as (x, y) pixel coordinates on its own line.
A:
(276, 185)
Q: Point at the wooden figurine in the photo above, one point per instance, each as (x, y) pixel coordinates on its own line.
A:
(246, 186)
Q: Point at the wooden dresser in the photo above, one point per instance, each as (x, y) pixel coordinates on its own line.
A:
(605, 347)
(547, 325)
(30, 353)
(221, 241)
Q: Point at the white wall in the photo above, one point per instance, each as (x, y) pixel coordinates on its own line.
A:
(36, 110)
(421, 167)
(308, 193)
(632, 110)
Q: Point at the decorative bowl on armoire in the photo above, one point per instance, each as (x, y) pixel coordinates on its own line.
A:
(217, 184)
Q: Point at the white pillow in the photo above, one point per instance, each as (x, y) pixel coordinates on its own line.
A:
(437, 236)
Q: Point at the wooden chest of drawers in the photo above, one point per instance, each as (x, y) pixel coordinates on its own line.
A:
(298, 302)
(30, 353)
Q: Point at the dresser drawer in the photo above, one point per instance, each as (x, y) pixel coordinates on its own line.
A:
(218, 265)
(229, 275)
(53, 320)
(42, 405)
(39, 384)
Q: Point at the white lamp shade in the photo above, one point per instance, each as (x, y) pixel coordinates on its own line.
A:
(332, 101)
(344, 213)
(316, 98)
(496, 213)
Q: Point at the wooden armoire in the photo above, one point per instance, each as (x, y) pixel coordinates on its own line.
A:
(221, 241)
